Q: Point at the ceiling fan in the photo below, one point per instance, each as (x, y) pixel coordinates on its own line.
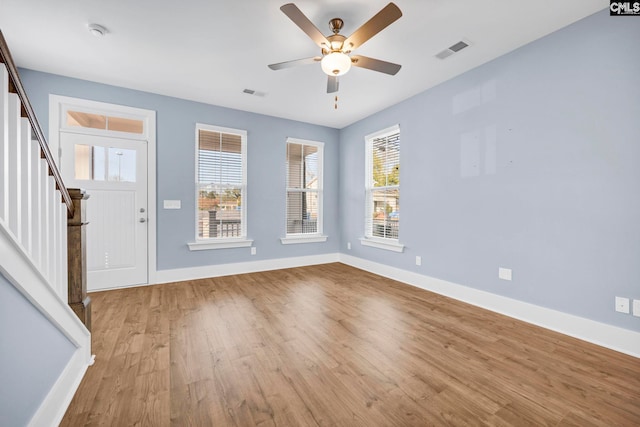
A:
(336, 57)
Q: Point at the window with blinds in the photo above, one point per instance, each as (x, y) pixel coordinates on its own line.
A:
(221, 186)
(304, 187)
(383, 184)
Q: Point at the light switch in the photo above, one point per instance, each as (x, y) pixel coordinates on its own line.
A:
(171, 204)
(636, 307)
(622, 305)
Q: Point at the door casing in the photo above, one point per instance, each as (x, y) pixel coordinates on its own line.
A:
(59, 105)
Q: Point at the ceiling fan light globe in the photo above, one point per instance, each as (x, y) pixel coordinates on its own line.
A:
(335, 64)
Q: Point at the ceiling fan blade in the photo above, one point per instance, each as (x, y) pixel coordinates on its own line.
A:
(332, 84)
(389, 14)
(375, 64)
(298, 18)
(294, 63)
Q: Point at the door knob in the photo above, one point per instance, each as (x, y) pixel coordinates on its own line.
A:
(143, 220)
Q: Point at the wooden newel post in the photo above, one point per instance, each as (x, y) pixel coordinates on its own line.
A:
(79, 302)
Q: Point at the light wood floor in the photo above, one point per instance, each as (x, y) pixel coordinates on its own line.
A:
(332, 345)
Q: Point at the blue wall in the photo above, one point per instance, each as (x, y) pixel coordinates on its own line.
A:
(33, 354)
(266, 150)
(530, 162)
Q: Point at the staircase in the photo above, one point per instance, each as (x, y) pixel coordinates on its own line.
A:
(41, 239)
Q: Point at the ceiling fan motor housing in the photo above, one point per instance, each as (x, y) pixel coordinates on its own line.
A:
(336, 25)
(336, 44)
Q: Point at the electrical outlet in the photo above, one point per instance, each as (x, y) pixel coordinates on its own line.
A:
(504, 273)
(349, 245)
(253, 250)
(622, 305)
(418, 260)
(636, 307)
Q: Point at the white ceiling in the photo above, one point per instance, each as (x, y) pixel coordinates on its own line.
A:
(209, 51)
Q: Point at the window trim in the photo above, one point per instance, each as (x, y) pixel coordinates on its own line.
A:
(385, 243)
(382, 243)
(301, 238)
(318, 236)
(229, 242)
(204, 244)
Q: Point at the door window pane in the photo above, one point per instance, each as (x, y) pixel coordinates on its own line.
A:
(92, 163)
(83, 162)
(89, 162)
(122, 165)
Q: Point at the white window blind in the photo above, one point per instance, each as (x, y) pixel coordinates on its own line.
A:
(304, 187)
(383, 184)
(221, 186)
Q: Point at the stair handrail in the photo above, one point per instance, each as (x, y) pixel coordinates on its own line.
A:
(15, 86)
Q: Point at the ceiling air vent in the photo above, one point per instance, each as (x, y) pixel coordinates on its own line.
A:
(457, 47)
(254, 92)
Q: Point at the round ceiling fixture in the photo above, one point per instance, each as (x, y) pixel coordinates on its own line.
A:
(336, 63)
(97, 30)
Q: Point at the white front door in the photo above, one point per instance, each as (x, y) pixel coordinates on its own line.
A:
(113, 171)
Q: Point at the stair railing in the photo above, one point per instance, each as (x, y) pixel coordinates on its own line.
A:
(38, 214)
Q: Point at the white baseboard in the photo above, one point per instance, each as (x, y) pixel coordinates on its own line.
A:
(177, 275)
(54, 406)
(612, 337)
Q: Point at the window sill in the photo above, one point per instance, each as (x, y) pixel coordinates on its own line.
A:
(219, 244)
(315, 238)
(388, 245)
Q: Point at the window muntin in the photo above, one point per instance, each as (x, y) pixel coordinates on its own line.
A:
(304, 188)
(221, 183)
(382, 184)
